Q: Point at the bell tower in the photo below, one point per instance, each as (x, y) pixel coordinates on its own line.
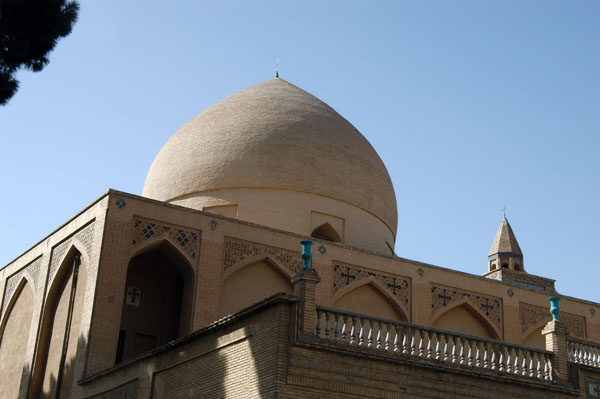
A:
(505, 252)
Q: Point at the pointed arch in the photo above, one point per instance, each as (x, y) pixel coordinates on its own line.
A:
(464, 318)
(155, 242)
(61, 317)
(14, 335)
(258, 258)
(326, 232)
(535, 339)
(251, 282)
(367, 296)
(158, 299)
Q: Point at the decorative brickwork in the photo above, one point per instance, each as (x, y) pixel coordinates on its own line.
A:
(397, 286)
(33, 269)
(489, 306)
(84, 235)
(186, 240)
(532, 315)
(238, 250)
(520, 279)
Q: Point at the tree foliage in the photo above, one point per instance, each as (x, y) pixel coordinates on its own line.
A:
(29, 30)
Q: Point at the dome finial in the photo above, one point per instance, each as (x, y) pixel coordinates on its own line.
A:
(277, 68)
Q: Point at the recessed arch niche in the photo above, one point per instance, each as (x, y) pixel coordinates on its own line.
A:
(14, 333)
(369, 299)
(53, 370)
(326, 232)
(464, 319)
(157, 302)
(535, 339)
(252, 283)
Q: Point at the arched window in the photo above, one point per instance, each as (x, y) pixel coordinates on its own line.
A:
(157, 301)
(326, 232)
(505, 265)
(517, 267)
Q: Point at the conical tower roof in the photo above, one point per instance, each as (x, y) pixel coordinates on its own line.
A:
(505, 241)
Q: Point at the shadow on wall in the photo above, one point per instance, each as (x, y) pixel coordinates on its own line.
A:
(57, 386)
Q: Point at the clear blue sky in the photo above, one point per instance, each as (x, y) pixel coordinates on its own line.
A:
(472, 105)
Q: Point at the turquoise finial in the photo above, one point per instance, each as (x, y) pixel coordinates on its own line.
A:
(554, 307)
(306, 252)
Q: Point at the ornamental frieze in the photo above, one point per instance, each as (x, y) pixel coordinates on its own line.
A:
(532, 315)
(185, 239)
(85, 236)
(397, 286)
(237, 250)
(443, 297)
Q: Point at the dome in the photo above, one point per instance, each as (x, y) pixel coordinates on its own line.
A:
(272, 136)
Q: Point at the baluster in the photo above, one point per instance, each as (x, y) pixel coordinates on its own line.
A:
(570, 350)
(379, 335)
(388, 337)
(421, 343)
(508, 359)
(405, 340)
(531, 365)
(361, 337)
(437, 346)
(353, 331)
(397, 339)
(524, 366)
(336, 327)
(446, 348)
(588, 353)
(413, 342)
(540, 370)
(477, 354)
(575, 352)
(501, 359)
(547, 375)
(461, 341)
(370, 344)
(454, 355)
(596, 357)
(327, 327)
(579, 353)
(345, 328)
(486, 360)
(518, 354)
(470, 354)
(493, 357)
(319, 314)
(430, 344)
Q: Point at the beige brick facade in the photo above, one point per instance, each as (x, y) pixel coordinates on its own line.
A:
(251, 355)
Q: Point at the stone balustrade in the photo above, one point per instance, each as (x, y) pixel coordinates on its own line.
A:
(429, 343)
(583, 352)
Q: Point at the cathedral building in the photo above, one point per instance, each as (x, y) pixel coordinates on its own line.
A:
(258, 263)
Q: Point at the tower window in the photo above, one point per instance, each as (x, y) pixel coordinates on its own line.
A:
(505, 265)
(517, 267)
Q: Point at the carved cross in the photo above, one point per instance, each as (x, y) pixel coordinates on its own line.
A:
(393, 285)
(487, 306)
(348, 275)
(133, 293)
(444, 297)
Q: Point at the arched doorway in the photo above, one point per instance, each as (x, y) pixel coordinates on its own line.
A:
(157, 303)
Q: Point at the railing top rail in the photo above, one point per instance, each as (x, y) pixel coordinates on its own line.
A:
(433, 329)
(583, 341)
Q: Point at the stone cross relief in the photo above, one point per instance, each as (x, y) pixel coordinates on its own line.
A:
(134, 296)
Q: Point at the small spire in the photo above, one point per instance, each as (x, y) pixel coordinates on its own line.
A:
(504, 211)
(505, 241)
(277, 68)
